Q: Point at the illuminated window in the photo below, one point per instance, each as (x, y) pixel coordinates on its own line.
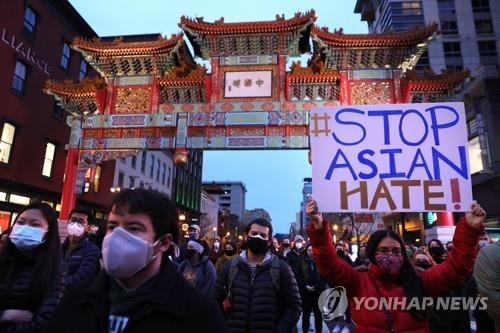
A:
(6, 142)
(86, 187)
(30, 19)
(97, 178)
(65, 56)
(19, 78)
(3, 196)
(19, 199)
(48, 160)
(475, 155)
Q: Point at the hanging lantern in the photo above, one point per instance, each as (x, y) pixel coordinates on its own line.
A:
(180, 156)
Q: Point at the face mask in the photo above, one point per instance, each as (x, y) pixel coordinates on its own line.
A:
(423, 264)
(482, 243)
(299, 245)
(26, 238)
(286, 245)
(257, 245)
(190, 253)
(216, 246)
(409, 253)
(389, 262)
(230, 252)
(124, 254)
(192, 236)
(75, 229)
(436, 253)
(340, 252)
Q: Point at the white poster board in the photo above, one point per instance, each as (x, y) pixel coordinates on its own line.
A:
(400, 157)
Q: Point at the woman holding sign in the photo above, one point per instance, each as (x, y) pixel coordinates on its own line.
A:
(392, 296)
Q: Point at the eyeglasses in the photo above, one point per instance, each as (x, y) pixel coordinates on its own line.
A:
(386, 250)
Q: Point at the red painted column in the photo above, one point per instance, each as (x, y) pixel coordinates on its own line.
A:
(445, 219)
(216, 87)
(345, 89)
(68, 200)
(405, 92)
(282, 77)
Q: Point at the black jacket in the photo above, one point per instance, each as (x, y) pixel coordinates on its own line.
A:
(256, 305)
(176, 307)
(16, 274)
(294, 259)
(82, 263)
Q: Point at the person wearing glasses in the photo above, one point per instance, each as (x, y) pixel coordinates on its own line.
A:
(80, 255)
(391, 275)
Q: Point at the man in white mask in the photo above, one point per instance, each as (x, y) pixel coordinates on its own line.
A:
(139, 289)
(80, 255)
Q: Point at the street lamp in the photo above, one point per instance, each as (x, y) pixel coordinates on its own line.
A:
(115, 189)
(182, 217)
(214, 229)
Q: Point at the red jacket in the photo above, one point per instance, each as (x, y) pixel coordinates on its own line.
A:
(436, 281)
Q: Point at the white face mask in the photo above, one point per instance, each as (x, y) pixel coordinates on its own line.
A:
(25, 237)
(124, 254)
(75, 229)
(299, 245)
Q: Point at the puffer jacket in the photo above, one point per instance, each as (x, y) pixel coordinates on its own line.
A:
(16, 274)
(257, 307)
(436, 281)
(82, 263)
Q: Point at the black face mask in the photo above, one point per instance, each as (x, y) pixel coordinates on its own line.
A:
(286, 245)
(340, 252)
(230, 252)
(257, 245)
(423, 264)
(191, 253)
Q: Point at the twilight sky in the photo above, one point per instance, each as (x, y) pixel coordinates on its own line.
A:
(273, 178)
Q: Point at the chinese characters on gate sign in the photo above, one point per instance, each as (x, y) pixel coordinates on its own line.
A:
(248, 84)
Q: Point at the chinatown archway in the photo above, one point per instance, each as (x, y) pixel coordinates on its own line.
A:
(153, 94)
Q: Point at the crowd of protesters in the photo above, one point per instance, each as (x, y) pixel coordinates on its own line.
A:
(137, 279)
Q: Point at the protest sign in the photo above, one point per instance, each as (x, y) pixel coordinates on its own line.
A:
(400, 157)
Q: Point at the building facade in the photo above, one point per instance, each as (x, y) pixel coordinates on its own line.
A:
(306, 193)
(233, 198)
(148, 169)
(470, 29)
(187, 186)
(469, 39)
(34, 47)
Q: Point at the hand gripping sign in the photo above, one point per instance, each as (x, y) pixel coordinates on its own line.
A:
(401, 157)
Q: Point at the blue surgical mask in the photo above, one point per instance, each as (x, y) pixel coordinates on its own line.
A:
(26, 238)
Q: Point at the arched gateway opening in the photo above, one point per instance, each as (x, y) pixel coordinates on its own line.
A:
(153, 94)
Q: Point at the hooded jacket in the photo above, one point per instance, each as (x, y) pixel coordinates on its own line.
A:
(202, 274)
(175, 306)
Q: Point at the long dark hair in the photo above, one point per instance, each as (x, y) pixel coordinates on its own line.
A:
(48, 258)
(410, 281)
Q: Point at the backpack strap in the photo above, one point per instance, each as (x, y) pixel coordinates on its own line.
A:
(233, 270)
(275, 273)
